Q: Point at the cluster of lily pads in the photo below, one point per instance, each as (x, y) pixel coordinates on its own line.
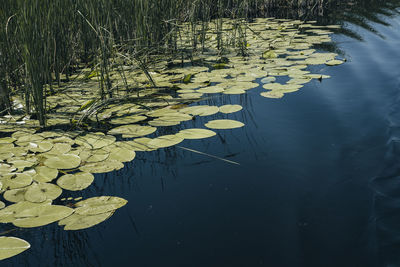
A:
(36, 166)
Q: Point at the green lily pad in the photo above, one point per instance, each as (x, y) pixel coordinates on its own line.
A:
(40, 192)
(11, 246)
(63, 162)
(234, 91)
(45, 174)
(211, 90)
(273, 94)
(95, 140)
(102, 167)
(40, 147)
(78, 222)
(224, 124)
(58, 149)
(99, 205)
(230, 108)
(165, 141)
(16, 180)
(75, 182)
(9, 213)
(142, 144)
(200, 110)
(128, 119)
(43, 215)
(269, 79)
(121, 153)
(93, 155)
(133, 130)
(195, 133)
(334, 62)
(15, 195)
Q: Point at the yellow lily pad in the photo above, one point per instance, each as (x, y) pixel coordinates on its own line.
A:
(78, 222)
(195, 133)
(75, 182)
(224, 124)
(40, 192)
(11, 246)
(63, 162)
(230, 108)
(99, 205)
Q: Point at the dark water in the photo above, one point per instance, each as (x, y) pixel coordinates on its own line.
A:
(318, 182)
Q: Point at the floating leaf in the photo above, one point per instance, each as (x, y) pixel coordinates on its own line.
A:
(224, 124)
(41, 147)
(272, 94)
(63, 162)
(15, 195)
(99, 205)
(11, 246)
(334, 62)
(195, 133)
(9, 213)
(230, 108)
(16, 180)
(95, 140)
(201, 110)
(78, 222)
(40, 192)
(211, 90)
(93, 155)
(102, 167)
(122, 154)
(75, 182)
(42, 215)
(165, 141)
(269, 79)
(45, 174)
(133, 130)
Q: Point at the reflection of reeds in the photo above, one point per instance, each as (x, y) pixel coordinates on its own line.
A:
(42, 41)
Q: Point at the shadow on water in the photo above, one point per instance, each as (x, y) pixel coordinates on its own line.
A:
(318, 182)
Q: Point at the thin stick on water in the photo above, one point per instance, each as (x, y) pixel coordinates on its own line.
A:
(209, 155)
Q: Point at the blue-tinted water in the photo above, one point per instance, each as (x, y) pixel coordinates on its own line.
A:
(317, 185)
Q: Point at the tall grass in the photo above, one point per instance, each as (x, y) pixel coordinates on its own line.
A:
(42, 41)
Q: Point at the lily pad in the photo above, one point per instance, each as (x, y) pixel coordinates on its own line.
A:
(224, 124)
(95, 140)
(78, 222)
(200, 110)
(16, 180)
(43, 215)
(99, 205)
(230, 108)
(45, 174)
(15, 195)
(75, 182)
(133, 130)
(334, 62)
(273, 94)
(11, 246)
(102, 167)
(195, 133)
(40, 192)
(165, 141)
(63, 162)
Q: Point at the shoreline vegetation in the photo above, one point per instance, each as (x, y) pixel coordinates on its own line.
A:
(44, 43)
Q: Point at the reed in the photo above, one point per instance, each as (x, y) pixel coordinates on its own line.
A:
(43, 41)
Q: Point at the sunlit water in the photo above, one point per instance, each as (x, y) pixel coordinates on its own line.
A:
(318, 182)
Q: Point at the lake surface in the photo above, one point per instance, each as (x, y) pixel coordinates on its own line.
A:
(318, 182)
